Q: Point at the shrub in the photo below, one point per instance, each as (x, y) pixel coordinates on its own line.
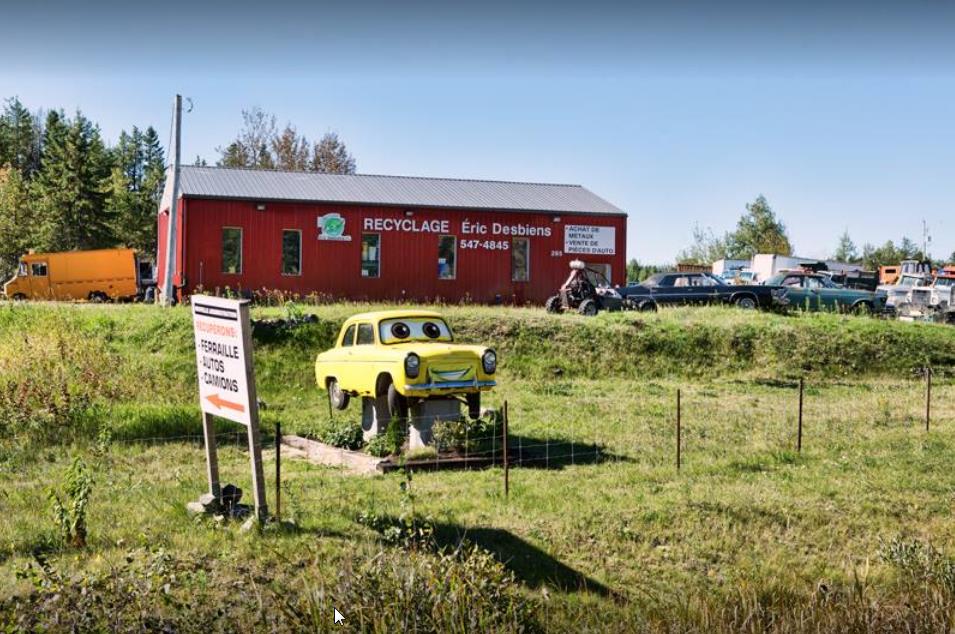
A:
(465, 436)
(345, 434)
(390, 442)
(71, 517)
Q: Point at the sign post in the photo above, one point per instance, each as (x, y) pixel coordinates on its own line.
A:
(227, 383)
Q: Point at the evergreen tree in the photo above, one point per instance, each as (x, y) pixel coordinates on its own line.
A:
(759, 231)
(330, 156)
(846, 251)
(16, 220)
(19, 142)
(135, 187)
(70, 189)
(889, 254)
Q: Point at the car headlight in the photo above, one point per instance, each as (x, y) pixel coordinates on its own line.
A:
(489, 361)
(412, 365)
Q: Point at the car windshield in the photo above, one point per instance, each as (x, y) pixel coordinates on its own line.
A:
(909, 280)
(945, 281)
(653, 280)
(405, 329)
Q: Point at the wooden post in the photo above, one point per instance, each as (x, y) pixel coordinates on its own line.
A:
(928, 397)
(799, 428)
(678, 430)
(212, 456)
(255, 442)
(278, 471)
(507, 485)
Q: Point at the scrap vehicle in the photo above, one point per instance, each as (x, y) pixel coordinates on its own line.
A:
(675, 288)
(815, 291)
(889, 275)
(899, 291)
(587, 291)
(767, 265)
(862, 280)
(405, 357)
(99, 275)
(931, 302)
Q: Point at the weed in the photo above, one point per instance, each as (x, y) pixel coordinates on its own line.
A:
(70, 517)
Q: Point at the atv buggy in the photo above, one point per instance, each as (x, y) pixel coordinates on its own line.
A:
(587, 291)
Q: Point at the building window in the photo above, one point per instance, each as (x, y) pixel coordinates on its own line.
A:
(370, 255)
(291, 252)
(39, 269)
(520, 259)
(231, 250)
(447, 257)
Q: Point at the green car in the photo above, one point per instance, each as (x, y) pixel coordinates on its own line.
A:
(811, 291)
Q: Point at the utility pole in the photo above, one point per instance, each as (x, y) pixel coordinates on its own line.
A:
(173, 220)
(926, 240)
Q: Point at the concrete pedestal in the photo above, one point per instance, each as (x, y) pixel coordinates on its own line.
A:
(423, 417)
(374, 416)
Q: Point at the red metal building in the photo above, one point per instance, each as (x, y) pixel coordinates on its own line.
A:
(369, 237)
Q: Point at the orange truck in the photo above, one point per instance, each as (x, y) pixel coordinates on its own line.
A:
(98, 276)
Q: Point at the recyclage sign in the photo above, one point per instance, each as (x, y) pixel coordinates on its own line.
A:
(225, 370)
(590, 240)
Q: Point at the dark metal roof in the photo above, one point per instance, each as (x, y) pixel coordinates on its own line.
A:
(273, 185)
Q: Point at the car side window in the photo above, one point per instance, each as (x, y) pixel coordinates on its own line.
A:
(349, 338)
(366, 335)
(812, 282)
(792, 280)
(681, 282)
(39, 269)
(667, 281)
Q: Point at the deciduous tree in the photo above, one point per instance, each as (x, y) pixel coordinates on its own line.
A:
(846, 251)
(758, 231)
(330, 156)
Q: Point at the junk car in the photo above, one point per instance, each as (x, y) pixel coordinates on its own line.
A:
(668, 289)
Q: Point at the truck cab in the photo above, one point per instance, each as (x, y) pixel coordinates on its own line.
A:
(32, 280)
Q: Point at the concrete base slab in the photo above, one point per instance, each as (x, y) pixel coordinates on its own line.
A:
(425, 414)
(374, 416)
(320, 453)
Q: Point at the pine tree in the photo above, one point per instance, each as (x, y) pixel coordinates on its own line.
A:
(16, 220)
(330, 156)
(291, 151)
(70, 189)
(135, 186)
(19, 145)
(846, 251)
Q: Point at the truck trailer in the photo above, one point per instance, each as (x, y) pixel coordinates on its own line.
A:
(97, 276)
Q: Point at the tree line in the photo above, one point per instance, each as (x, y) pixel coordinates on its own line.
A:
(62, 188)
(760, 231)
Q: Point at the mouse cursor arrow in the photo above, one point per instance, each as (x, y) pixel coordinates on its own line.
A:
(339, 618)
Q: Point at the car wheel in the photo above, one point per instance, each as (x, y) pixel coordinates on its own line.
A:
(337, 395)
(19, 297)
(746, 302)
(554, 305)
(474, 405)
(397, 404)
(862, 308)
(588, 308)
(647, 307)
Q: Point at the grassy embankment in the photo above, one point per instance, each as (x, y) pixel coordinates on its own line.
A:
(749, 534)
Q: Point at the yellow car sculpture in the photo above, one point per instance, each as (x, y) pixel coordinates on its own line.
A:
(405, 356)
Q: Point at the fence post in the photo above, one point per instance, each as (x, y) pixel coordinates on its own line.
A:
(507, 484)
(928, 397)
(799, 428)
(678, 430)
(278, 471)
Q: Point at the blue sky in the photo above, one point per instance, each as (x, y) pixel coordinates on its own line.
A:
(841, 114)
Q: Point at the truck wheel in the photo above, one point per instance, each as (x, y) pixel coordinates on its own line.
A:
(474, 406)
(746, 302)
(98, 297)
(337, 395)
(588, 308)
(397, 404)
(554, 305)
(19, 297)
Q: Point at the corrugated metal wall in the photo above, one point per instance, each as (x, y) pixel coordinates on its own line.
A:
(409, 260)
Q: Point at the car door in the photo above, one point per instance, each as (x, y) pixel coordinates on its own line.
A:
(40, 280)
(818, 298)
(344, 359)
(796, 293)
(671, 290)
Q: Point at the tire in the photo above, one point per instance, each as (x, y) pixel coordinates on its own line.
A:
(588, 308)
(647, 307)
(397, 404)
(19, 297)
(746, 302)
(862, 308)
(98, 297)
(338, 397)
(554, 305)
(474, 406)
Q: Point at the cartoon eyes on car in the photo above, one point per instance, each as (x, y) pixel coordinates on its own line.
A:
(400, 330)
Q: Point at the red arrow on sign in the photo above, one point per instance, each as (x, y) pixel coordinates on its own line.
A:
(220, 402)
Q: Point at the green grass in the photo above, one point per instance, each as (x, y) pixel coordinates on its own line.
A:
(749, 535)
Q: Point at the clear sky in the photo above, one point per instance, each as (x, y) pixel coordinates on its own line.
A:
(841, 114)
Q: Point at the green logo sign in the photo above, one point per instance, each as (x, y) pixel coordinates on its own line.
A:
(332, 227)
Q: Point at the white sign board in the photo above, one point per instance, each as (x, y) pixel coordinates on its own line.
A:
(224, 365)
(590, 240)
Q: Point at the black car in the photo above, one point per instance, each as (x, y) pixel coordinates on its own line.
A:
(669, 289)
